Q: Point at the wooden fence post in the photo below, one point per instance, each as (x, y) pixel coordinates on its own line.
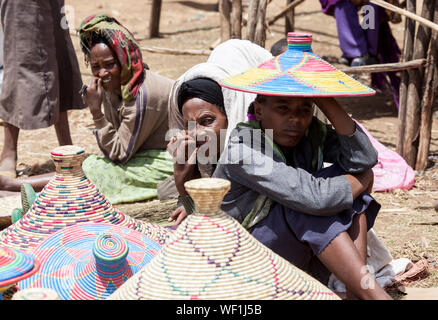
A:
(290, 20)
(430, 91)
(154, 25)
(225, 11)
(416, 76)
(260, 31)
(407, 56)
(236, 19)
(252, 19)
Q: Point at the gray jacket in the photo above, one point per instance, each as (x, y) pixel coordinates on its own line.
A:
(254, 171)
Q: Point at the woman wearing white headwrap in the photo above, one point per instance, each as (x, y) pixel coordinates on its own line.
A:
(198, 100)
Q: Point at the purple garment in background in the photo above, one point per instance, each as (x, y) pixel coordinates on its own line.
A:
(355, 41)
(328, 6)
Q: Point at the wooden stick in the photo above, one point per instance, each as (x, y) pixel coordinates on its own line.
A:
(407, 55)
(192, 52)
(423, 21)
(386, 67)
(260, 32)
(283, 12)
(236, 19)
(431, 86)
(252, 19)
(289, 19)
(416, 78)
(225, 10)
(154, 25)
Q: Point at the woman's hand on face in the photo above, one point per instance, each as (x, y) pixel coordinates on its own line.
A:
(94, 95)
(183, 149)
(178, 215)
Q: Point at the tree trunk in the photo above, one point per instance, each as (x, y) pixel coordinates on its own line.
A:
(236, 20)
(154, 26)
(416, 76)
(260, 32)
(407, 56)
(290, 20)
(252, 19)
(431, 86)
(225, 11)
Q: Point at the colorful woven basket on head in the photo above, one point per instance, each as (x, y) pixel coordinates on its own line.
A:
(15, 266)
(68, 199)
(211, 256)
(297, 72)
(90, 261)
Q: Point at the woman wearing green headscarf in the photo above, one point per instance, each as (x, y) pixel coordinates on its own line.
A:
(131, 130)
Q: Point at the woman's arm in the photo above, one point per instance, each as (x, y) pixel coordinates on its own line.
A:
(139, 121)
(347, 145)
(183, 150)
(357, 156)
(294, 188)
(117, 144)
(340, 120)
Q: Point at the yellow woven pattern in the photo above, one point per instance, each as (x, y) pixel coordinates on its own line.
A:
(251, 77)
(337, 82)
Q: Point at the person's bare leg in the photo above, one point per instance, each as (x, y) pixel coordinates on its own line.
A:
(63, 130)
(343, 259)
(8, 194)
(8, 157)
(14, 185)
(358, 234)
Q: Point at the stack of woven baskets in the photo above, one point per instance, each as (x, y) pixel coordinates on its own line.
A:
(68, 199)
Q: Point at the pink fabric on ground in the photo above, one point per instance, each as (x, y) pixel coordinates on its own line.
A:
(391, 172)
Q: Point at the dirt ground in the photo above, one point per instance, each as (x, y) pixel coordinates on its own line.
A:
(407, 223)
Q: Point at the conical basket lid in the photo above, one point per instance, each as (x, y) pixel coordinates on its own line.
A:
(15, 266)
(211, 256)
(90, 261)
(69, 198)
(297, 72)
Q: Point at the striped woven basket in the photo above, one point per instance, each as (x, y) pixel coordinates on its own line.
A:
(89, 261)
(70, 198)
(14, 266)
(211, 256)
